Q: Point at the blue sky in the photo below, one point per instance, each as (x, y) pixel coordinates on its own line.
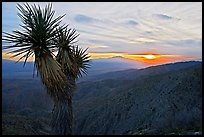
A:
(164, 28)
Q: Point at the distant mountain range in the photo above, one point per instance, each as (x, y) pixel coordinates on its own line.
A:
(98, 66)
(163, 99)
(135, 73)
(104, 65)
(11, 69)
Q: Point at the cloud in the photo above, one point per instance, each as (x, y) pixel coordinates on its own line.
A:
(162, 16)
(95, 41)
(142, 40)
(83, 19)
(186, 43)
(131, 23)
(97, 46)
(113, 25)
(148, 33)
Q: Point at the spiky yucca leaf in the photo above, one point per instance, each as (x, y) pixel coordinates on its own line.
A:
(66, 37)
(39, 31)
(81, 61)
(38, 38)
(64, 49)
(73, 59)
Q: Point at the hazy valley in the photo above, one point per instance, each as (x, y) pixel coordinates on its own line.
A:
(162, 99)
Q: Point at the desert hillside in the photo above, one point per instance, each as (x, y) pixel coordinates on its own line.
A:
(157, 100)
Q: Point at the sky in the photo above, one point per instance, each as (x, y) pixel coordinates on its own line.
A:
(167, 31)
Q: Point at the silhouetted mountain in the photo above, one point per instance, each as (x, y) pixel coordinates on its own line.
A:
(135, 73)
(104, 65)
(9, 66)
(10, 69)
(156, 100)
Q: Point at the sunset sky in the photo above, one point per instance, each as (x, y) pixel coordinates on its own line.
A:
(148, 32)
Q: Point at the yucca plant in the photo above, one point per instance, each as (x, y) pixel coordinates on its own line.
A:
(37, 37)
(74, 62)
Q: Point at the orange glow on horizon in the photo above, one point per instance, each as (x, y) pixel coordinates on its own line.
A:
(143, 56)
(146, 58)
(7, 56)
(150, 56)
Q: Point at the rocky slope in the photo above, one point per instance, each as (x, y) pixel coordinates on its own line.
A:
(163, 100)
(159, 103)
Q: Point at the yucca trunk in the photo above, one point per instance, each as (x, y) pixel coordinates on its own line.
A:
(62, 117)
(62, 120)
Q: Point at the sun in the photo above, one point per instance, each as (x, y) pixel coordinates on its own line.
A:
(149, 56)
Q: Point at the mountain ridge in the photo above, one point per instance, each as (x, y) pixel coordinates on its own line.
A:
(132, 73)
(118, 105)
(126, 107)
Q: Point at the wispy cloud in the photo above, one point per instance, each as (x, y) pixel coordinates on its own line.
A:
(186, 43)
(162, 16)
(97, 46)
(84, 19)
(166, 28)
(132, 23)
